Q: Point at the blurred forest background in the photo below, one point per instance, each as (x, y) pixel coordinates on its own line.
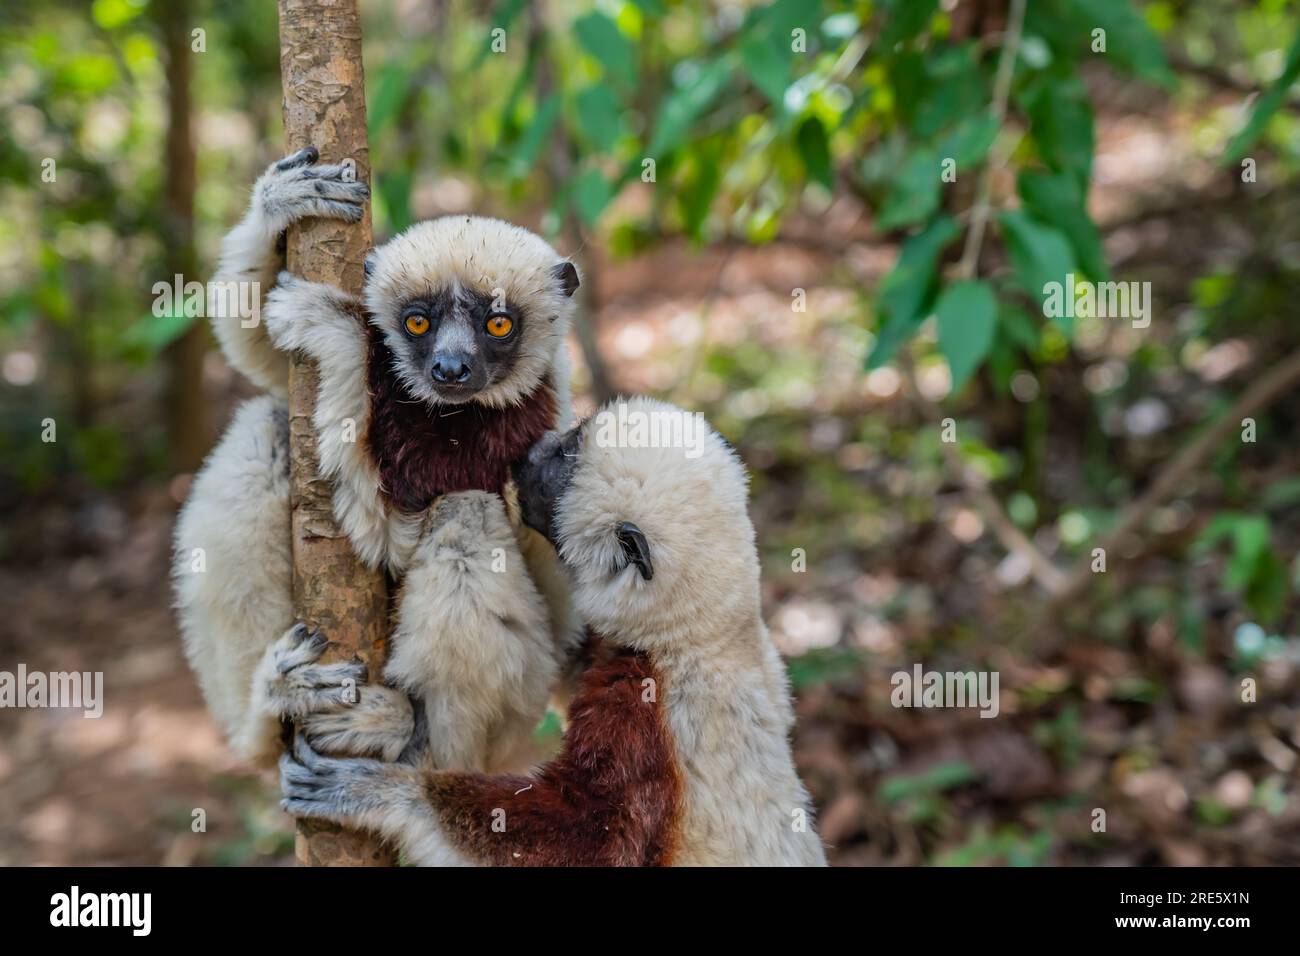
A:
(803, 264)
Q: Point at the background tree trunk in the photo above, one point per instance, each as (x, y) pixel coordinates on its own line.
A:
(184, 410)
(325, 106)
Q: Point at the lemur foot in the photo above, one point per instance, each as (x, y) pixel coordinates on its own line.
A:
(379, 725)
(344, 790)
(296, 188)
(289, 682)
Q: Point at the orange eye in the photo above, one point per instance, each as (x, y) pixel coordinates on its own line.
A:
(417, 324)
(499, 326)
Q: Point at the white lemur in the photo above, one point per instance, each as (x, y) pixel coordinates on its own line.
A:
(677, 751)
(450, 369)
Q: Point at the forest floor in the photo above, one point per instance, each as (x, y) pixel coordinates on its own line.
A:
(1126, 716)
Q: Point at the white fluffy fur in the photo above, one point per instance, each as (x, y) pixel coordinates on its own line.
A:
(726, 693)
(474, 642)
(491, 643)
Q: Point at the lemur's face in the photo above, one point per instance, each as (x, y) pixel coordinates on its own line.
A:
(458, 342)
(472, 309)
(649, 518)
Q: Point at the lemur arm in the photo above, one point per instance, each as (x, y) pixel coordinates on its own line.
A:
(612, 797)
(290, 190)
(328, 325)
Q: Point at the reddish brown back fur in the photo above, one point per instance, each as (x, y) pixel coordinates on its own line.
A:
(611, 798)
(423, 452)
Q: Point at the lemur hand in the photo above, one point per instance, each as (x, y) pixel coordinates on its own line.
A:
(295, 188)
(380, 724)
(289, 683)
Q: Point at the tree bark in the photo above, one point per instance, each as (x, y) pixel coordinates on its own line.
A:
(325, 107)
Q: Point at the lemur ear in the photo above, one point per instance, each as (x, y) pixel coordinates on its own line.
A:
(635, 548)
(370, 263)
(567, 273)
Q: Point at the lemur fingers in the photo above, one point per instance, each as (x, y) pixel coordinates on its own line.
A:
(379, 725)
(295, 188)
(289, 683)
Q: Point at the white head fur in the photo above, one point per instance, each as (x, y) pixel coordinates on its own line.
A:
(688, 503)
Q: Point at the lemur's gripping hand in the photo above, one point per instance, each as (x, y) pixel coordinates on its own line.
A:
(380, 724)
(290, 683)
(296, 188)
(353, 791)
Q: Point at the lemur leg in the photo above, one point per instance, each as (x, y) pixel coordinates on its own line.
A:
(328, 325)
(567, 631)
(232, 570)
(385, 798)
(472, 637)
(289, 191)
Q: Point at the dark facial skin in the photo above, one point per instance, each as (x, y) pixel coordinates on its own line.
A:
(455, 353)
(543, 477)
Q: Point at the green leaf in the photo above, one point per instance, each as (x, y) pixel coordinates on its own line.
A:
(970, 140)
(390, 88)
(1250, 536)
(1130, 41)
(908, 286)
(815, 150)
(1060, 118)
(502, 17)
(914, 193)
(967, 314)
(600, 117)
(535, 136)
(1268, 105)
(1040, 255)
(695, 196)
(1019, 328)
(1267, 592)
(684, 105)
(937, 779)
(784, 16)
(762, 61)
(954, 88)
(591, 194)
(652, 8)
(155, 333)
(394, 188)
(1057, 199)
(601, 37)
(905, 19)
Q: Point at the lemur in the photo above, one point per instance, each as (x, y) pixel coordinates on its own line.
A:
(450, 368)
(677, 751)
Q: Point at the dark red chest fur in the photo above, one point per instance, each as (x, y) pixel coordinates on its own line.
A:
(423, 452)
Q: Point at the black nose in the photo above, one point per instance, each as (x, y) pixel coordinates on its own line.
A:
(450, 368)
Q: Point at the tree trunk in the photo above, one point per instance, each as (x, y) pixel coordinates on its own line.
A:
(184, 412)
(324, 106)
(558, 168)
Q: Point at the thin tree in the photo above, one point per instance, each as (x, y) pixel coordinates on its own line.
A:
(325, 107)
(184, 410)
